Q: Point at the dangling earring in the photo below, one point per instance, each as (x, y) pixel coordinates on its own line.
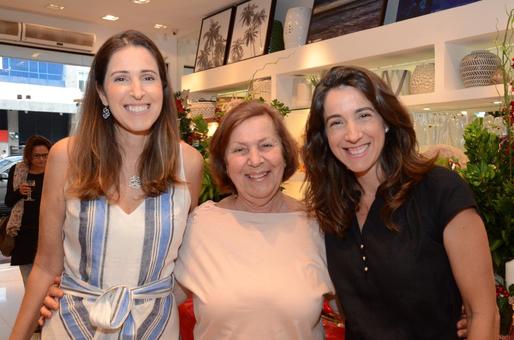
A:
(106, 112)
(386, 129)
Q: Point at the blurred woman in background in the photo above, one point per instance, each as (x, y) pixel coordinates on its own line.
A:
(23, 194)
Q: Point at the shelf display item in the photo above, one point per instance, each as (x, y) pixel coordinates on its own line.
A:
(334, 18)
(478, 68)
(422, 79)
(261, 88)
(440, 128)
(206, 109)
(302, 93)
(398, 81)
(277, 37)
(212, 43)
(252, 30)
(296, 26)
(406, 9)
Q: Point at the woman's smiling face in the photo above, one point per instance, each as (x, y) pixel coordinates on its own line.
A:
(254, 159)
(133, 89)
(354, 129)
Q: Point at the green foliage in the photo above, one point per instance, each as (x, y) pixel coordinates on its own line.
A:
(488, 172)
(199, 130)
(505, 316)
(280, 107)
(503, 300)
(209, 190)
(193, 130)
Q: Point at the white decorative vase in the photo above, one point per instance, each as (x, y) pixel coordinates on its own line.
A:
(422, 79)
(478, 68)
(296, 26)
(303, 93)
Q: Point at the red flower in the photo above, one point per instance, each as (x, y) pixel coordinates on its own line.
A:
(501, 291)
(180, 107)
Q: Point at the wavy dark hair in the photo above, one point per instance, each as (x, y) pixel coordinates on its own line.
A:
(32, 142)
(96, 157)
(332, 191)
(232, 119)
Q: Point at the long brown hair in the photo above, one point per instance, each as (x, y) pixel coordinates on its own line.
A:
(231, 120)
(96, 157)
(333, 192)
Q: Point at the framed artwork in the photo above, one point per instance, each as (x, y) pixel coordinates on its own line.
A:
(398, 10)
(212, 43)
(332, 18)
(251, 30)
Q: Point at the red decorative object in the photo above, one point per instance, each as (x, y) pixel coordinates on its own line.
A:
(332, 322)
(187, 319)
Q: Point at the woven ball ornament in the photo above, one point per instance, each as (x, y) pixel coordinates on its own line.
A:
(478, 68)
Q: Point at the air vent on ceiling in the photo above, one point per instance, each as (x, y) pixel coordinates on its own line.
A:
(57, 38)
(10, 30)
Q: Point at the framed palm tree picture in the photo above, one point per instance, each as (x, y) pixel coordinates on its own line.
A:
(212, 43)
(251, 30)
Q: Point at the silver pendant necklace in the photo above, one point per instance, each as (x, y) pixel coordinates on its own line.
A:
(135, 182)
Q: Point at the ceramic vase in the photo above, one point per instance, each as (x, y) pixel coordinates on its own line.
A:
(422, 79)
(478, 68)
(296, 26)
(303, 92)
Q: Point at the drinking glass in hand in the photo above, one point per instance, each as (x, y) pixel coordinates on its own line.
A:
(31, 183)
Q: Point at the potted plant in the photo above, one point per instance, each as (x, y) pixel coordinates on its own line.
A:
(489, 144)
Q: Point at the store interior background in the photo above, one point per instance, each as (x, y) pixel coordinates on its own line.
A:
(43, 108)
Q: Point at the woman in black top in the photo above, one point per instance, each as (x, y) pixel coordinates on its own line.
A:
(405, 244)
(24, 199)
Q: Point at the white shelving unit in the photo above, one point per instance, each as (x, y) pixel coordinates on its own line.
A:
(443, 38)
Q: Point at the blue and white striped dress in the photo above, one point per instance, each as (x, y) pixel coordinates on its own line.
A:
(118, 269)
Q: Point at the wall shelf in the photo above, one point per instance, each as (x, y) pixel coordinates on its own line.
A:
(444, 37)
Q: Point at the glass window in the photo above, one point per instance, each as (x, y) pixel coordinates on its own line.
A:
(19, 65)
(55, 68)
(19, 74)
(33, 66)
(43, 67)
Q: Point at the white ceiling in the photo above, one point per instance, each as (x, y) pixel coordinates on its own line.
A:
(181, 16)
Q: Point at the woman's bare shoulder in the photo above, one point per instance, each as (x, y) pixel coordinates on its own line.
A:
(191, 155)
(61, 149)
(193, 160)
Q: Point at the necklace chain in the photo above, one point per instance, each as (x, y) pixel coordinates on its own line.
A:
(135, 182)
